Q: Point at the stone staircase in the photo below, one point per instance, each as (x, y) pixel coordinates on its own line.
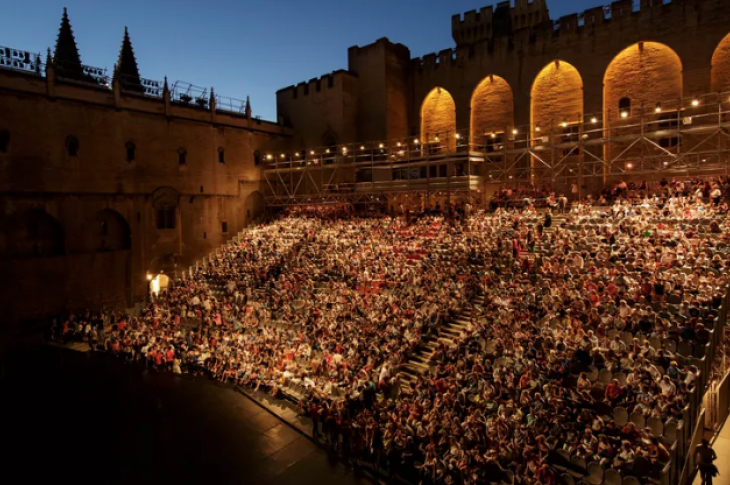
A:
(558, 220)
(418, 364)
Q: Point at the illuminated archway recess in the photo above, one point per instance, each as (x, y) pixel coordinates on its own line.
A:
(492, 108)
(438, 118)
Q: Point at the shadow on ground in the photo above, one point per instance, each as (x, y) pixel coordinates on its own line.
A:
(78, 418)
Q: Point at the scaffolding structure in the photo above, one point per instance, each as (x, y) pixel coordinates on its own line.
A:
(676, 138)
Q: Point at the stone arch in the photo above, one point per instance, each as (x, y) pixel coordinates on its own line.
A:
(108, 230)
(34, 234)
(253, 207)
(645, 73)
(492, 109)
(556, 96)
(159, 283)
(438, 118)
(329, 139)
(721, 66)
(165, 263)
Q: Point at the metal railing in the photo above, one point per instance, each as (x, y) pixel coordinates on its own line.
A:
(687, 136)
(21, 60)
(189, 94)
(148, 87)
(231, 105)
(180, 92)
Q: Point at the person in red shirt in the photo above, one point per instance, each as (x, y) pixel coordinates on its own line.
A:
(151, 357)
(516, 248)
(169, 357)
(158, 360)
(612, 290)
(614, 391)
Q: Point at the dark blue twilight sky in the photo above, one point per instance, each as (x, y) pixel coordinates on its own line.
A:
(241, 47)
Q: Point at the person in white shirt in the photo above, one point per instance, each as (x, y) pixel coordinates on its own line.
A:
(667, 386)
(617, 345)
(176, 366)
(716, 195)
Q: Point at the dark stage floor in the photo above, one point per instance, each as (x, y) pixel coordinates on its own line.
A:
(69, 417)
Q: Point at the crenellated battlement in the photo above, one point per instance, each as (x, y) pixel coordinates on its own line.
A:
(480, 34)
(502, 20)
(314, 85)
(381, 46)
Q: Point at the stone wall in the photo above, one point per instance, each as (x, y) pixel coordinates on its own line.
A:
(382, 70)
(691, 28)
(38, 287)
(319, 107)
(646, 73)
(105, 197)
(591, 43)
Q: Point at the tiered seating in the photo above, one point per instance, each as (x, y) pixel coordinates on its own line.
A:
(480, 365)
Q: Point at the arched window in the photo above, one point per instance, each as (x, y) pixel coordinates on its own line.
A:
(131, 149)
(624, 107)
(257, 158)
(182, 156)
(329, 140)
(221, 155)
(72, 145)
(4, 141)
(166, 217)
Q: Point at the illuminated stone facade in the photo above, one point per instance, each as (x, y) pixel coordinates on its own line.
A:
(626, 45)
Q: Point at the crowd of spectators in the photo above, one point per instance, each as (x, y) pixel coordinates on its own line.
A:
(711, 188)
(330, 308)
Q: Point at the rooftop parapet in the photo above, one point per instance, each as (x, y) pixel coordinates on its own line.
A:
(477, 35)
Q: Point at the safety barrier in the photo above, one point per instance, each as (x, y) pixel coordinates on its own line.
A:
(689, 462)
(717, 402)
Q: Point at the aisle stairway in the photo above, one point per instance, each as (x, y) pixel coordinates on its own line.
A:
(418, 364)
